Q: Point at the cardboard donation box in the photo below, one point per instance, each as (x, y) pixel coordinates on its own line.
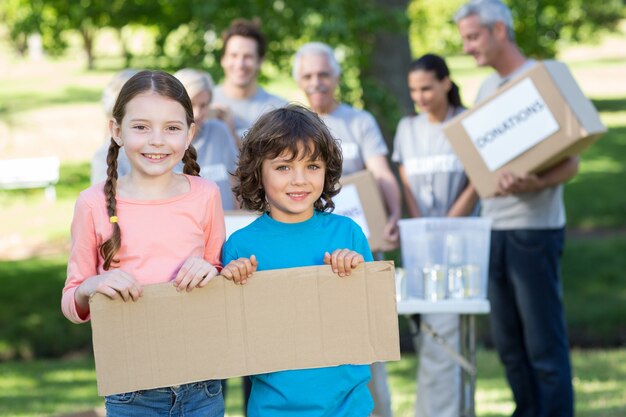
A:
(360, 199)
(445, 258)
(533, 122)
(282, 319)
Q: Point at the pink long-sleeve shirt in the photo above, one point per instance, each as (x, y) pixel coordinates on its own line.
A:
(157, 236)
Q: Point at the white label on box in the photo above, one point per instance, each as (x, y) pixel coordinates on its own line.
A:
(236, 222)
(348, 203)
(510, 124)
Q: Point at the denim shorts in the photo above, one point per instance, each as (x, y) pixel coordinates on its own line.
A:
(197, 399)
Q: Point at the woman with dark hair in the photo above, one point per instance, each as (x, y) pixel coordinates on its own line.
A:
(434, 185)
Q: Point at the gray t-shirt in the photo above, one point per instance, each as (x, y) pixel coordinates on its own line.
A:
(247, 111)
(217, 156)
(538, 210)
(359, 135)
(435, 174)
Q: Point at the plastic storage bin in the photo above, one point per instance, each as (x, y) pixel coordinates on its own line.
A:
(445, 258)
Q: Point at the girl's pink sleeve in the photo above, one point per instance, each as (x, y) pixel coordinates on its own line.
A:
(215, 231)
(83, 259)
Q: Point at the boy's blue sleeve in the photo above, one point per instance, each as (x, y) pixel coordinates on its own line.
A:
(228, 252)
(361, 245)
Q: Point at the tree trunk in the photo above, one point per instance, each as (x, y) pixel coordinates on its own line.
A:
(88, 35)
(128, 56)
(388, 98)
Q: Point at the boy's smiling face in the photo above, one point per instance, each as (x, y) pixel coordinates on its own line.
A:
(293, 185)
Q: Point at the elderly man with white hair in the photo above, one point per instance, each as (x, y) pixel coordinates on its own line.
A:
(317, 73)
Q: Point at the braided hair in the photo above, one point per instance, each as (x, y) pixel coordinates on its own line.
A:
(163, 84)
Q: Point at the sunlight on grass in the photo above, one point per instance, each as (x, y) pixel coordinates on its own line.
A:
(11, 383)
(494, 401)
(49, 387)
(69, 376)
(601, 165)
(595, 385)
(494, 407)
(491, 395)
(615, 118)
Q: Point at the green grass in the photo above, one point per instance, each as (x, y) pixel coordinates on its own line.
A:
(594, 296)
(592, 198)
(43, 388)
(598, 386)
(593, 280)
(49, 387)
(31, 323)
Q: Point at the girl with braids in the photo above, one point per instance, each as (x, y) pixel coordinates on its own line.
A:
(435, 185)
(150, 226)
(289, 170)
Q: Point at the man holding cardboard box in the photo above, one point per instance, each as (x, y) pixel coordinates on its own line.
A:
(528, 215)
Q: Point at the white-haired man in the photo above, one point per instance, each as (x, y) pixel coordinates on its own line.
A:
(317, 73)
(527, 318)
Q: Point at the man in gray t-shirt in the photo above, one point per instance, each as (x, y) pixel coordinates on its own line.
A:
(245, 111)
(239, 101)
(527, 318)
(317, 72)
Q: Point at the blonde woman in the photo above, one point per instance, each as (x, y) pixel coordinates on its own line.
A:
(213, 141)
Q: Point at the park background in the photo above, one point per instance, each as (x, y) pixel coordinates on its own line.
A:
(50, 105)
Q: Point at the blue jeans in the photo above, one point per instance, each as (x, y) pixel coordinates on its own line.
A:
(198, 399)
(528, 322)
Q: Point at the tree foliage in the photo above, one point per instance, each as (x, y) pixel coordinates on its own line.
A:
(539, 24)
(26, 17)
(350, 24)
(370, 35)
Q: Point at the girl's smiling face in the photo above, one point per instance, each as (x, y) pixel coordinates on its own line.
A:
(293, 185)
(154, 133)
